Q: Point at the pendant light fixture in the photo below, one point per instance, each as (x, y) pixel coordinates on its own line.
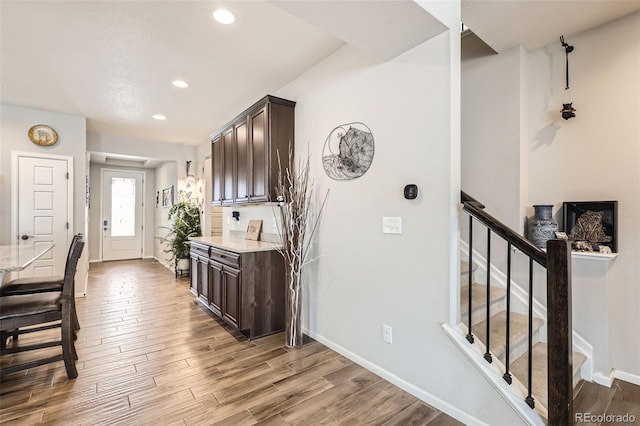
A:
(568, 111)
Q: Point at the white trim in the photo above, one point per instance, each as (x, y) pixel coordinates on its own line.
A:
(454, 269)
(514, 394)
(421, 394)
(607, 379)
(627, 377)
(603, 379)
(95, 261)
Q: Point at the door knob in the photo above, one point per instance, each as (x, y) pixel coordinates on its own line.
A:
(26, 237)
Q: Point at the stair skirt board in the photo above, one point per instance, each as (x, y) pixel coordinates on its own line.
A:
(514, 394)
(520, 296)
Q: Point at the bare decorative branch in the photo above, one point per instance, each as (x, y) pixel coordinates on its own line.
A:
(295, 192)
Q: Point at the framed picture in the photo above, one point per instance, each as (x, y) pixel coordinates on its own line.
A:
(167, 196)
(253, 230)
(593, 221)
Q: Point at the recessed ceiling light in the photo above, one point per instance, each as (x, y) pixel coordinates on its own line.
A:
(181, 84)
(159, 117)
(223, 16)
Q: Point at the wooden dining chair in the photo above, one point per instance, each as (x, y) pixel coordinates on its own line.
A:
(39, 312)
(41, 284)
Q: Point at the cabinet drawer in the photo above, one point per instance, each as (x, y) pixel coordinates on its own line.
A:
(199, 249)
(225, 257)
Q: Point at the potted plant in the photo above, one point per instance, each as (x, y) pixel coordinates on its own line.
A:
(185, 223)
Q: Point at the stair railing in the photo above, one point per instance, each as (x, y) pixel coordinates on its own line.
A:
(557, 262)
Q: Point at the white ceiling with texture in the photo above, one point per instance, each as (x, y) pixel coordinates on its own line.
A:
(113, 61)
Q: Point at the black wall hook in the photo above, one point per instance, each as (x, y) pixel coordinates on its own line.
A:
(567, 49)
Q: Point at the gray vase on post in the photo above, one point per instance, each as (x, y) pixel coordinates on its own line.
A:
(542, 227)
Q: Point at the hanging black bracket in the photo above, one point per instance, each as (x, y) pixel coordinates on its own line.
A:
(567, 49)
(568, 111)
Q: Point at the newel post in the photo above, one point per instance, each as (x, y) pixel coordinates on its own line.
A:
(559, 330)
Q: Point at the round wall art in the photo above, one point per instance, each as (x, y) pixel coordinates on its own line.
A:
(348, 151)
(42, 135)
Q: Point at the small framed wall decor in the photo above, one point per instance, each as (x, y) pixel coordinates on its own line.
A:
(253, 230)
(594, 222)
(167, 196)
(43, 135)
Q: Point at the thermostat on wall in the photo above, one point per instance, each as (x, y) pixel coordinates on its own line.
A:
(411, 191)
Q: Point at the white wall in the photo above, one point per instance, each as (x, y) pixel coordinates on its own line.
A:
(71, 129)
(491, 109)
(364, 278)
(596, 155)
(166, 175)
(95, 214)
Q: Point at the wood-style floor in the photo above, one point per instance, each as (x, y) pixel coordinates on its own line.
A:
(149, 355)
(597, 405)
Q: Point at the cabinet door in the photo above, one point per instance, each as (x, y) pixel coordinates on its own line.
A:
(242, 163)
(216, 172)
(203, 281)
(193, 275)
(231, 295)
(215, 287)
(228, 172)
(259, 151)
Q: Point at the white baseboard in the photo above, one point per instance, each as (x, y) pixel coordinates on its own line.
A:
(627, 377)
(603, 379)
(421, 394)
(143, 258)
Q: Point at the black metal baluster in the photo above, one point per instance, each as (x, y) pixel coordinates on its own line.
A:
(469, 334)
(487, 354)
(507, 375)
(529, 399)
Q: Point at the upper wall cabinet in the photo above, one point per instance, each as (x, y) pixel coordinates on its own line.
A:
(244, 153)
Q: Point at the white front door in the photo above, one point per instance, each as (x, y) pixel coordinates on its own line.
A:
(43, 210)
(121, 214)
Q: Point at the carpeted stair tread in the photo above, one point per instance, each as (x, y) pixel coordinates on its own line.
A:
(498, 331)
(479, 295)
(539, 380)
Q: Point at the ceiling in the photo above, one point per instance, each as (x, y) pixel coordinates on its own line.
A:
(113, 61)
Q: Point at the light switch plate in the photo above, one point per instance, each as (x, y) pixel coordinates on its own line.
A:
(392, 225)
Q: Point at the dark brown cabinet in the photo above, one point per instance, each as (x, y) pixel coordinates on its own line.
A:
(245, 152)
(216, 171)
(245, 289)
(227, 159)
(199, 272)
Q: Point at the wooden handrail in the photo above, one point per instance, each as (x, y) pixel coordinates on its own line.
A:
(475, 209)
(557, 261)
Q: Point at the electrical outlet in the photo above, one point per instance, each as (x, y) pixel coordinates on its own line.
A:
(387, 333)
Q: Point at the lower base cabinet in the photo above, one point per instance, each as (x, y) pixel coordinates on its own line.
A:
(245, 289)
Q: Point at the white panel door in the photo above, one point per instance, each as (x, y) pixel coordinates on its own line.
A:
(43, 217)
(121, 215)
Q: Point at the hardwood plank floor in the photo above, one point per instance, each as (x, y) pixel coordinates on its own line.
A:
(148, 354)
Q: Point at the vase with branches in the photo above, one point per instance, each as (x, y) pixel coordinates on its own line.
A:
(296, 191)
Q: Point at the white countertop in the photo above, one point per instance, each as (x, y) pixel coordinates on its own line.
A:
(237, 245)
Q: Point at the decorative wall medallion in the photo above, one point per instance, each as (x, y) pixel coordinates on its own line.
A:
(43, 135)
(348, 151)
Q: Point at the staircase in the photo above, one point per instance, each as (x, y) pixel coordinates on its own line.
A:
(518, 342)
